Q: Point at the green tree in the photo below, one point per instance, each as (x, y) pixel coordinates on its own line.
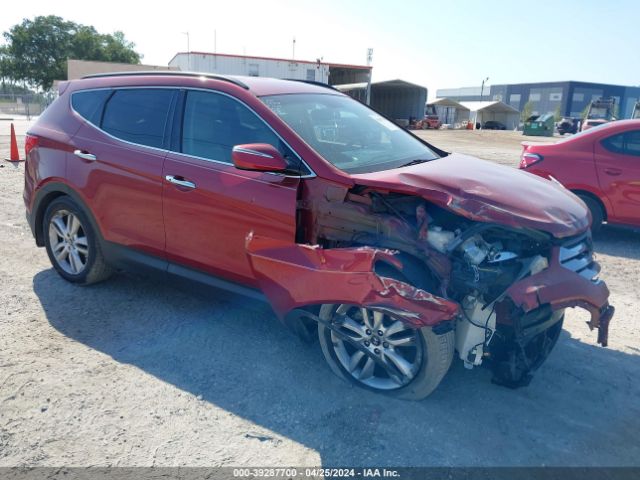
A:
(557, 116)
(37, 50)
(5, 67)
(527, 110)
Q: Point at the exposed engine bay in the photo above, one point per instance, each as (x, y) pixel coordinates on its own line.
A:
(473, 264)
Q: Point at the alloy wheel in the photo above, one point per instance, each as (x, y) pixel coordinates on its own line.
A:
(69, 243)
(375, 348)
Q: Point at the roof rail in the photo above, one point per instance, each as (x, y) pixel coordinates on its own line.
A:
(313, 82)
(175, 73)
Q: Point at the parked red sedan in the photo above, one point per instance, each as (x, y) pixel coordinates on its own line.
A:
(600, 165)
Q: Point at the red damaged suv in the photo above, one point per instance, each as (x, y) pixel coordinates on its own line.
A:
(396, 253)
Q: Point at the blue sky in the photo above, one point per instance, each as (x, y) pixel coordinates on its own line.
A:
(437, 44)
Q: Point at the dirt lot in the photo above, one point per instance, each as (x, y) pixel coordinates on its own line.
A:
(499, 146)
(134, 372)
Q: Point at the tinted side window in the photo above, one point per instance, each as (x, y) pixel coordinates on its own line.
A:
(213, 124)
(627, 143)
(632, 143)
(615, 143)
(89, 104)
(138, 115)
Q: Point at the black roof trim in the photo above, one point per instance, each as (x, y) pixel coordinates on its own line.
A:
(170, 73)
(313, 82)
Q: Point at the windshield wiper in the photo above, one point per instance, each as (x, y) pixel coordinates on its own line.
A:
(415, 162)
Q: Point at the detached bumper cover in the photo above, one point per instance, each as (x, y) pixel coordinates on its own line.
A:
(293, 276)
(561, 287)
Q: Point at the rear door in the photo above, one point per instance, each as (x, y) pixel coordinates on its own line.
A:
(618, 165)
(210, 206)
(117, 163)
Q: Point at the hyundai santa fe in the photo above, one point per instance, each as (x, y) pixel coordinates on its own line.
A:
(395, 254)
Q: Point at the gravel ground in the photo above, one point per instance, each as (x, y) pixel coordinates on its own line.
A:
(499, 146)
(138, 373)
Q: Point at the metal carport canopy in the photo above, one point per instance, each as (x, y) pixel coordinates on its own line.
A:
(493, 110)
(399, 99)
(489, 106)
(447, 102)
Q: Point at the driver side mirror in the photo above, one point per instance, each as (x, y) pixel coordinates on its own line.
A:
(259, 157)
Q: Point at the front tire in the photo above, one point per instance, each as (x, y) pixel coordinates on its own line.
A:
(597, 214)
(514, 361)
(72, 244)
(382, 354)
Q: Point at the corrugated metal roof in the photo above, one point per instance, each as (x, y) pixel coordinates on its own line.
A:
(447, 102)
(397, 83)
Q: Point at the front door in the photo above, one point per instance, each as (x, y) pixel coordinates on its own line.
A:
(209, 206)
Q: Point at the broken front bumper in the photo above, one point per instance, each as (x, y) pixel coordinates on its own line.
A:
(294, 276)
(569, 281)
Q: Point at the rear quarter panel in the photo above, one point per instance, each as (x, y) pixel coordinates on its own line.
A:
(48, 161)
(572, 164)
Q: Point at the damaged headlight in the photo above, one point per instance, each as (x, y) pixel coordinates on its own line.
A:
(487, 259)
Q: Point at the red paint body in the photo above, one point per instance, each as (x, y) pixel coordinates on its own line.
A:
(583, 164)
(487, 192)
(341, 275)
(242, 225)
(258, 157)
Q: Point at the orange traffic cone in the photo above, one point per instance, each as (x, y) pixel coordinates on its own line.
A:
(14, 155)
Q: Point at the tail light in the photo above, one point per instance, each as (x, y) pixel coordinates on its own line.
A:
(527, 159)
(30, 142)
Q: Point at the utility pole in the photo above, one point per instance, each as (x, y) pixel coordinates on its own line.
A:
(482, 87)
(369, 60)
(188, 51)
(475, 123)
(293, 52)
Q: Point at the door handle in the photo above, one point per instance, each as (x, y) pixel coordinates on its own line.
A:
(612, 171)
(85, 155)
(179, 181)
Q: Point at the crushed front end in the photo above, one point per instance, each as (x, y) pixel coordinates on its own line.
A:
(502, 287)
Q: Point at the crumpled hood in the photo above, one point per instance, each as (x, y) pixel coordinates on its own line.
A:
(487, 192)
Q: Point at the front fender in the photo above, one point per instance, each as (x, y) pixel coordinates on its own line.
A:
(293, 275)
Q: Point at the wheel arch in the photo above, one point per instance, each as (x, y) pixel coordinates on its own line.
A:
(596, 198)
(48, 194)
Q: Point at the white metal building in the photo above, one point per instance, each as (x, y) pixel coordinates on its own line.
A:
(224, 64)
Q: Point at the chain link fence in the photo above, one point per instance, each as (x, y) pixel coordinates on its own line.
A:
(23, 105)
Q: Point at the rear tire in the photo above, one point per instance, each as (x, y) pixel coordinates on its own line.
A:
(72, 244)
(597, 214)
(435, 354)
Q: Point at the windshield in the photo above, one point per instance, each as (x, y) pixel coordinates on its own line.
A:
(351, 136)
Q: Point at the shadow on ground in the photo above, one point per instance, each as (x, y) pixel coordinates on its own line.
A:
(618, 242)
(581, 409)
